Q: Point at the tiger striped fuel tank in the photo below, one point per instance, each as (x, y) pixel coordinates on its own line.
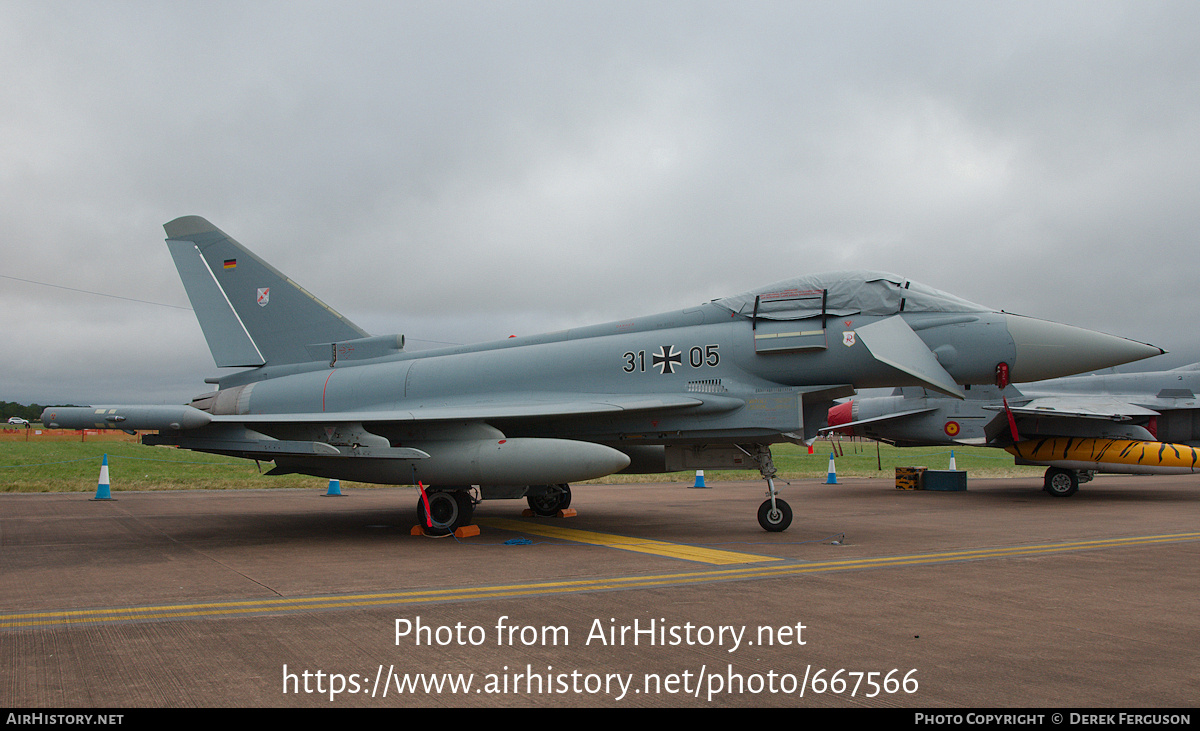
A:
(1109, 455)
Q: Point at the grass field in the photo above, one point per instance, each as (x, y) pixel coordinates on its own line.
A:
(75, 467)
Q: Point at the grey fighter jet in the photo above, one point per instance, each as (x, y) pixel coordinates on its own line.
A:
(1139, 423)
(710, 386)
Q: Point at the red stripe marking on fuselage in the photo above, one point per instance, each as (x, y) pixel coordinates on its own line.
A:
(325, 388)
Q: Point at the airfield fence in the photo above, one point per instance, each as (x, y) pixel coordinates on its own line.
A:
(38, 434)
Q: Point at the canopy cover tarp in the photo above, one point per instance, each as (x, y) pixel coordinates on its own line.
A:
(845, 293)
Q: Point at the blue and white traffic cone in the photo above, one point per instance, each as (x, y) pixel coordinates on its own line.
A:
(335, 488)
(699, 479)
(103, 489)
(832, 479)
(952, 460)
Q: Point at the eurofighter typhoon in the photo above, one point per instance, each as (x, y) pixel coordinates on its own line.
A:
(711, 386)
(1130, 423)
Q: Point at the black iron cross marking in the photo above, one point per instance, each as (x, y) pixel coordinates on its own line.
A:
(665, 356)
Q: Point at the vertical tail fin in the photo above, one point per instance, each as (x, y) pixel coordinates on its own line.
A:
(250, 313)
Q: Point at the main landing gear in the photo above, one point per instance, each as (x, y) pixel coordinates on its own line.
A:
(449, 510)
(547, 500)
(774, 515)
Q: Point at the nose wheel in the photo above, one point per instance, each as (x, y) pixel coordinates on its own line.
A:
(1060, 482)
(774, 515)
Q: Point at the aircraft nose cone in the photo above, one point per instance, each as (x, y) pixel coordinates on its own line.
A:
(842, 413)
(1047, 349)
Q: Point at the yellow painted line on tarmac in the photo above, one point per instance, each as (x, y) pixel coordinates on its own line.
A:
(628, 543)
(351, 601)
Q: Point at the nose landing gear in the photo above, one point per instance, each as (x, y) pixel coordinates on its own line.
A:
(774, 515)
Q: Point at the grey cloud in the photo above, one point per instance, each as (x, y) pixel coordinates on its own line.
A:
(467, 170)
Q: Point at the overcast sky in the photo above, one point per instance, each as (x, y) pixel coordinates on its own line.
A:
(463, 171)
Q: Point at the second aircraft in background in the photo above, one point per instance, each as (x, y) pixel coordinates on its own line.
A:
(1136, 423)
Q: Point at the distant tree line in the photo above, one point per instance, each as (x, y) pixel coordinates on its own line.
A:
(32, 412)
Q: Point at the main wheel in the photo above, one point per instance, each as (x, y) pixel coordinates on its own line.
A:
(550, 500)
(1060, 482)
(448, 511)
(774, 519)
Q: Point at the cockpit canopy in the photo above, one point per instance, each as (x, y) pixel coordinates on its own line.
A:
(844, 293)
